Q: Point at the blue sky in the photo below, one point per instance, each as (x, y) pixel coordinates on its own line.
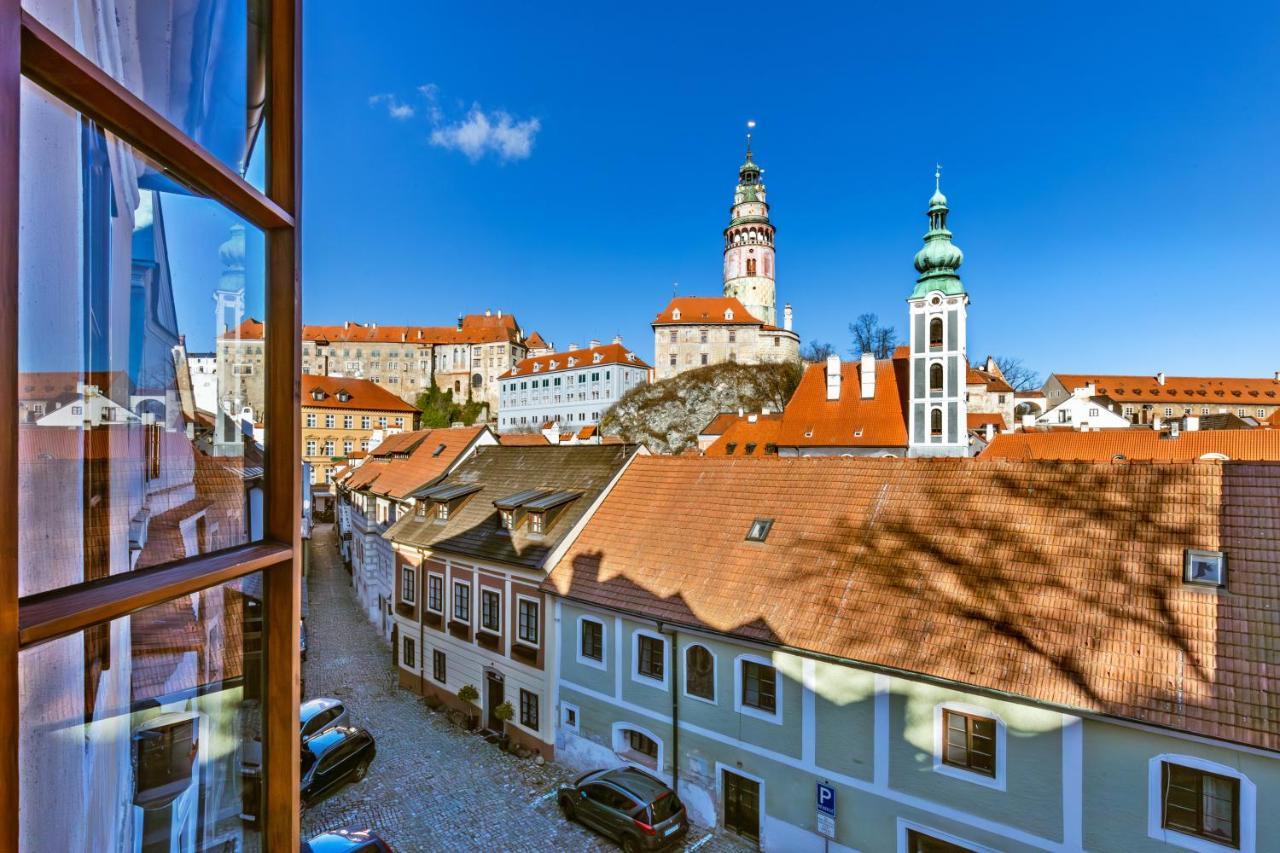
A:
(1112, 173)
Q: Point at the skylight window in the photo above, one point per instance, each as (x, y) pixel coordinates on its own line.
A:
(759, 530)
(439, 449)
(1205, 568)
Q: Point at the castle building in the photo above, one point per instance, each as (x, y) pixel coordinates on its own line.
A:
(938, 306)
(740, 326)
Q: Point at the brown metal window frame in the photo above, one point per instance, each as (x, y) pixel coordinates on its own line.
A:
(969, 720)
(30, 49)
(1198, 831)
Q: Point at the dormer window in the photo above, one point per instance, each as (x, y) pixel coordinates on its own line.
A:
(597, 358)
(759, 529)
(572, 361)
(537, 366)
(317, 394)
(553, 365)
(343, 396)
(1205, 568)
(442, 511)
(728, 313)
(507, 519)
(421, 511)
(537, 521)
(675, 315)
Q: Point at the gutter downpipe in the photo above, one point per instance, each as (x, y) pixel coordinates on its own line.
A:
(675, 709)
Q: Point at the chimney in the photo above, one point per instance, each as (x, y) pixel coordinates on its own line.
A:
(1173, 429)
(459, 322)
(1028, 421)
(499, 313)
(764, 410)
(593, 344)
(404, 336)
(1160, 377)
(740, 412)
(1193, 423)
(991, 433)
(786, 317)
(833, 377)
(419, 334)
(488, 313)
(868, 376)
(373, 326)
(1277, 377)
(346, 325)
(573, 347)
(617, 339)
(752, 418)
(1155, 424)
(992, 367)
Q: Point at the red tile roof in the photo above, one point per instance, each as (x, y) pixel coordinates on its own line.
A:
(996, 384)
(705, 311)
(476, 329)
(720, 423)
(1136, 444)
(868, 561)
(522, 439)
(559, 361)
(811, 420)
(364, 395)
(1146, 389)
(750, 438)
(979, 420)
(407, 461)
(535, 341)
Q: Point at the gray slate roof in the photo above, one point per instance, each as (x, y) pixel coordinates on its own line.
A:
(501, 472)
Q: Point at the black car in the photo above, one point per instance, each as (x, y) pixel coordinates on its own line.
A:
(333, 758)
(347, 841)
(635, 809)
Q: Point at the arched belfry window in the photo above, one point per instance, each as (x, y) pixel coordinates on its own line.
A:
(935, 422)
(935, 332)
(751, 266)
(935, 377)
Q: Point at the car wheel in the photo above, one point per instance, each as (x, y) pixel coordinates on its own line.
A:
(361, 769)
(630, 844)
(566, 806)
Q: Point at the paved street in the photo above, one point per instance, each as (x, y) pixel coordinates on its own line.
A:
(432, 786)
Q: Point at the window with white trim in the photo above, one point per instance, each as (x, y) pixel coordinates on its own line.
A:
(435, 593)
(490, 610)
(408, 584)
(1200, 805)
(590, 641)
(968, 744)
(1205, 568)
(648, 658)
(700, 673)
(462, 601)
(527, 623)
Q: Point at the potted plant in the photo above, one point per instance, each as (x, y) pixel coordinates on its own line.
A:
(504, 712)
(469, 694)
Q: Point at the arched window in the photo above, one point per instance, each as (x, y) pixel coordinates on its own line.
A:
(700, 676)
(751, 266)
(935, 377)
(935, 422)
(935, 332)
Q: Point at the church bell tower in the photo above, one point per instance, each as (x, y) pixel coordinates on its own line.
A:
(748, 245)
(939, 365)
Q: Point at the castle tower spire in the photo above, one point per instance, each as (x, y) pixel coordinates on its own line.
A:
(749, 243)
(938, 306)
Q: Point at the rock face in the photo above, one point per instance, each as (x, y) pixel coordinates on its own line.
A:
(667, 416)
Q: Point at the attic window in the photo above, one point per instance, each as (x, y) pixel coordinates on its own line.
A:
(317, 394)
(439, 449)
(675, 315)
(507, 518)
(728, 313)
(1205, 568)
(421, 510)
(343, 396)
(595, 359)
(537, 365)
(536, 522)
(759, 529)
(750, 448)
(730, 447)
(442, 511)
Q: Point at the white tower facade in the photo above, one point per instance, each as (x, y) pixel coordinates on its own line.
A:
(749, 246)
(938, 306)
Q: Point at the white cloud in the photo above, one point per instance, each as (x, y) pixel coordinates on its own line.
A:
(395, 108)
(484, 132)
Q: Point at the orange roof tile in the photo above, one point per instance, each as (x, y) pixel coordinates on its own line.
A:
(363, 394)
(978, 420)
(407, 461)
(993, 382)
(720, 423)
(535, 341)
(749, 438)
(811, 420)
(1136, 444)
(857, 566)
(705, 311)
(522, 439)
(476, 329)
(559, 361)
(1146, 389)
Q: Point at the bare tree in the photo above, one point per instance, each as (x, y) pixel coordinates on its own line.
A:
(817, 351)
(1018, 375)
(870, 336)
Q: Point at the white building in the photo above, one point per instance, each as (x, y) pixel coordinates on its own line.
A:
(1083, 410)
(203, 367)
(571, 388)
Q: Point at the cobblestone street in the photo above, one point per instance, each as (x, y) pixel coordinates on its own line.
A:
(432, 786)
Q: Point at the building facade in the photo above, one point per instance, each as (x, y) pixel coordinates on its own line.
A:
(742, 325)
(1145, 399)
(469, 563)
(570, 389)
(731, 664)
(340, 416)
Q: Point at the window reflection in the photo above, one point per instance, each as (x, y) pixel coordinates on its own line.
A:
(157, 747)
(136, 447)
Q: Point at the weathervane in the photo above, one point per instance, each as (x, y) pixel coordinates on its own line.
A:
(937, 177)
(751, 123)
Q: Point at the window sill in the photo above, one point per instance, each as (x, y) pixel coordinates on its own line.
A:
(993, 782)
(649, 681)
(592, 662)
(747, 710)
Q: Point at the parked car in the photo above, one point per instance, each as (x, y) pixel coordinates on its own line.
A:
(316, 715)
(347, 841)
(637, 810)
(333, 758)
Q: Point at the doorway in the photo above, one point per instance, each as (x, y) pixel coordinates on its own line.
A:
(494, 694)
(742, 805)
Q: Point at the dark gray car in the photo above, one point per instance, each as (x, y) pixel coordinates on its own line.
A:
(637, 810)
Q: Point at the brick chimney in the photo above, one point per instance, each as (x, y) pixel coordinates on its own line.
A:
(868, 376)
(833, 377)
(593, 344)
(1160, 378)
(991, 433)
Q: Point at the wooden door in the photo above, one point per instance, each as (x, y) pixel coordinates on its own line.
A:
(494, 699)
(742, 805)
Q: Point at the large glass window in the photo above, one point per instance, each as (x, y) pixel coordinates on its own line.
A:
(125, 462)
(157, 710)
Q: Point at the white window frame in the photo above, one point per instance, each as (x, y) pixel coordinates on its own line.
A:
(622, 748)
(515, 718)
(603, 663)
(480, 626)
(1155, 806)
(536, 603)
(636, 634)
(905, 825)
(413, 595)
(444, 597)
(776, 716)
(715, 674)
(939, 738)
(453, 601)
(409, 643)
(565, 709)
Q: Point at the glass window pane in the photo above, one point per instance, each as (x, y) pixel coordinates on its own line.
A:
(139, 420)
(146, 728)
(199, 63)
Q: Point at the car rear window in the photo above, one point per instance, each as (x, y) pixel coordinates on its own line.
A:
(665, 806)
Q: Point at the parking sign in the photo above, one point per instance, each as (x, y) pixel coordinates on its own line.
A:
(826, 810)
